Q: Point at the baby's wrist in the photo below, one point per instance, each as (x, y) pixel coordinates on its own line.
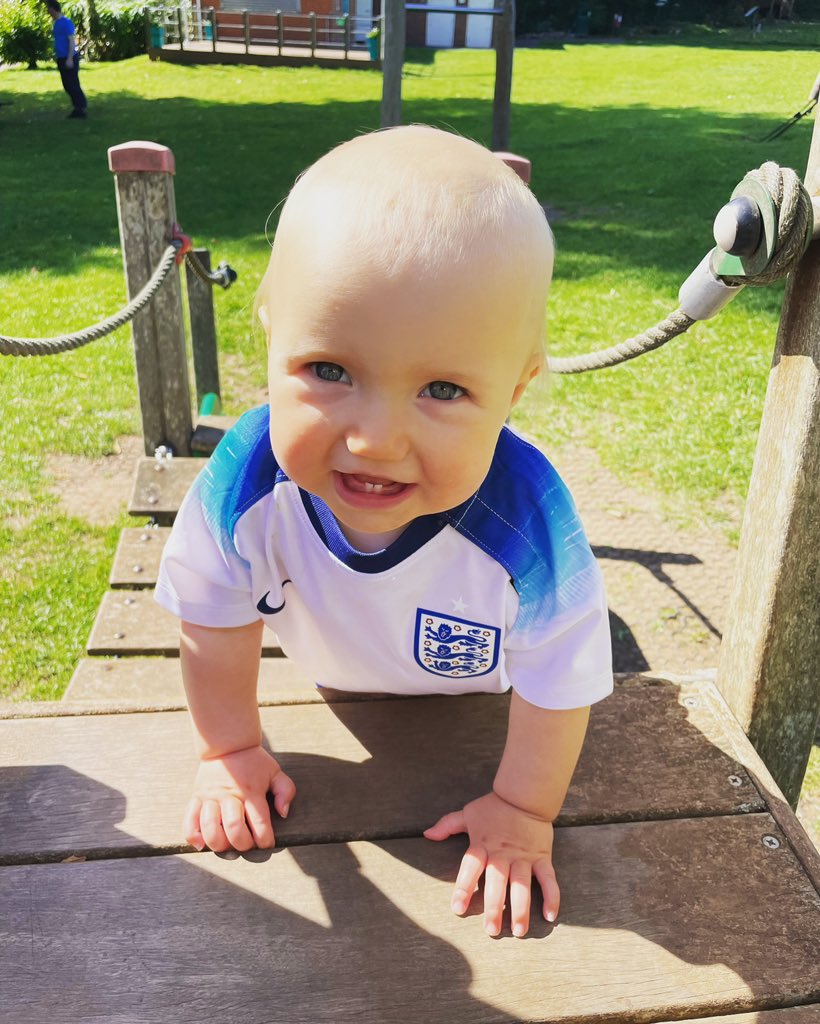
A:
(519, 804)
(221, 752)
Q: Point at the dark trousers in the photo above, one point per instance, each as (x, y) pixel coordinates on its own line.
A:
(71, 82)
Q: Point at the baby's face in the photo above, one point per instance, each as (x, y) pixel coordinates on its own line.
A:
(388, 394)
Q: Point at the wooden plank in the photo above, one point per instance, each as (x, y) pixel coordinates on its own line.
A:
(155, 684)
(659, 921)
(130, 622)
(647, 756)
(790, 1015)
(136, 561)
(771, 648)
(159, 487)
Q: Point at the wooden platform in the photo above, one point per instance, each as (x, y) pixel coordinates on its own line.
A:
(690, 891)
(224, 52)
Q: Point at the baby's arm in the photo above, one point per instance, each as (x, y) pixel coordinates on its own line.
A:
(510, 829)
(229, 806)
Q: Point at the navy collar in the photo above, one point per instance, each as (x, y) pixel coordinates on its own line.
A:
(417, 534)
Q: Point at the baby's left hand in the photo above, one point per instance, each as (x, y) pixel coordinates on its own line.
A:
(508, 846)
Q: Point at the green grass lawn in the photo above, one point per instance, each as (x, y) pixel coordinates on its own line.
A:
(634, 148)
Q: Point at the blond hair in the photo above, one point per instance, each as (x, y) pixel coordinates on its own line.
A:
(421, 196)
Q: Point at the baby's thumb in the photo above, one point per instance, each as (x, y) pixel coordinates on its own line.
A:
(284, 790)
(450, 825)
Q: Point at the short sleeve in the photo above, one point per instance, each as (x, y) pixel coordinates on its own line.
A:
(202, 578)
(565, 661)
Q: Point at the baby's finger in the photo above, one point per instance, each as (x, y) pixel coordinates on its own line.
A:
(450, 825)
(520, 892)
(472, 866)
(284, 790)
(210, 821)
(495, 893)
(190, 824)
(257, 814)
(234, 825)
(545, 873)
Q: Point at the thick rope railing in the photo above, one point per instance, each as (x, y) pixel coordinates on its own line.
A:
(179, 248)
(795, 220)
(67, 342)
(794, 217)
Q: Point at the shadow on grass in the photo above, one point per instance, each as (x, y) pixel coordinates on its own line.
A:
(632, 188)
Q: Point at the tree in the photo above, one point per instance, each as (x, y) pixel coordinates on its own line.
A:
(25, 32)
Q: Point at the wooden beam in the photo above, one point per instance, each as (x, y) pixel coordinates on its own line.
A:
(144, 176)
(393, 43)
(769, 668)
(203, 328)
(504, 40)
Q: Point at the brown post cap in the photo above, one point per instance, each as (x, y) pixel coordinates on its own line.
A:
(141, 156)
(520, 164)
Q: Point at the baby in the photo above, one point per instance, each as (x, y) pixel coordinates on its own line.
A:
(404, 312)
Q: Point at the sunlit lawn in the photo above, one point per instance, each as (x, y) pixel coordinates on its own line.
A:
(634, 149)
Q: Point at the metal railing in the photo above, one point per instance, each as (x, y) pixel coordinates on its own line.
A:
(189, 28)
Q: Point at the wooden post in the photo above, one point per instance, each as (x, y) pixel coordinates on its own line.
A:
(393, 41)
(312, 18)
(280, 30)
(504, 36)
(246, 24)
(146, 211)
(346, 34)
(769, 666)
(212, 19)
(179, 29)
(203, 329)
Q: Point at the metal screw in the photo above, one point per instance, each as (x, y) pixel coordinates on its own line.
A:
(690, 702)
(152, 499)
(128, 600)
(735, 780)
(771, 842)
(119, 636)
(144, 536)
(136, 568)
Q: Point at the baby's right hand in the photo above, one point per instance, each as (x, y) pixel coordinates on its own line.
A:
(229, 807)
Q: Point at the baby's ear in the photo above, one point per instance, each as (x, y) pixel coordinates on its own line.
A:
(531, 371)
(264, 319)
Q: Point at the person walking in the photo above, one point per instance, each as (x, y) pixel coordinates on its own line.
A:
(68, 59)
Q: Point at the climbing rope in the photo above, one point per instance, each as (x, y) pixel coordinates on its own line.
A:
(66, 342)
(795, 220)
(179, 249)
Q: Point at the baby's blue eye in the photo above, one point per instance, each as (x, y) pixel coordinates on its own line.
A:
(443, 390)
(330, 372)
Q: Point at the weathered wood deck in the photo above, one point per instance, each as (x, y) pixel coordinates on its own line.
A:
(690, 891)
(228, 52)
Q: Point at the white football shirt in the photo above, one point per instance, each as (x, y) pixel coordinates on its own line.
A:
(503, 590)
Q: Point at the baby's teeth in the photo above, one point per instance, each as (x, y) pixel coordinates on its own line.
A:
(373, 487)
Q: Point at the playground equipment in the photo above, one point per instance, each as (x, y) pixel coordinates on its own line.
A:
(691, 891)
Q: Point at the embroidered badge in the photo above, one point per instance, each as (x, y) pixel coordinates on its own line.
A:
(458, 648)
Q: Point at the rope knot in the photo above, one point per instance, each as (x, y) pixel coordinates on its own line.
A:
(794, 218)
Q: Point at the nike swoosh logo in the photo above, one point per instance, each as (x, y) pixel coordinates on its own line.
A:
(265, 608)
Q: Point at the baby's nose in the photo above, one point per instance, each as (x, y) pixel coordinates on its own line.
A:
(380, 432)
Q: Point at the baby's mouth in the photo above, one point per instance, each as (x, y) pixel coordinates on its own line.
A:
(371, 484)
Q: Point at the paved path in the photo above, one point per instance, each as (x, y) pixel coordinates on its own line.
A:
(668, 588)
